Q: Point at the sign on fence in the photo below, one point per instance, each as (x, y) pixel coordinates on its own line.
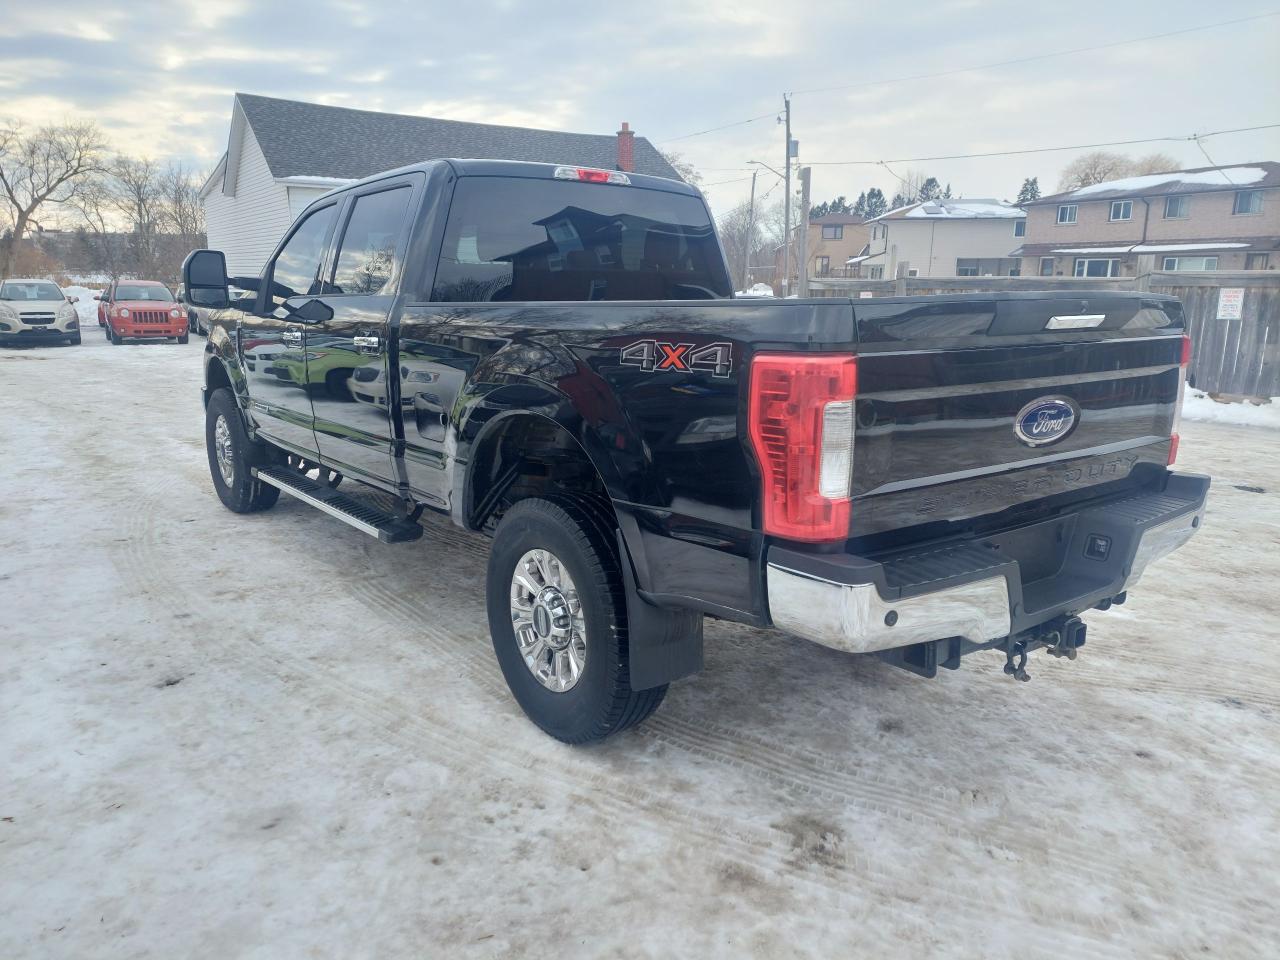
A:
(1230, 303)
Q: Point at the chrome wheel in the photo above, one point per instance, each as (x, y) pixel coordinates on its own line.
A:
(223, 451)
(546, 615)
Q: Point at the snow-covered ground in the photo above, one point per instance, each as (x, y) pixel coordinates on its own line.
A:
(272, 737)
(1200, 406)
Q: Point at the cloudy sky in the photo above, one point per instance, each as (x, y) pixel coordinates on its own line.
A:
(159, 77)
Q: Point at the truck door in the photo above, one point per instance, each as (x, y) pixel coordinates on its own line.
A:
(273, 338)
(352, 398)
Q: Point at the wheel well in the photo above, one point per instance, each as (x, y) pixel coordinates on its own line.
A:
(526, 456)
(215, 379)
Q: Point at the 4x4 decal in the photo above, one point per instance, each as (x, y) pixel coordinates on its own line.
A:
(652, 356)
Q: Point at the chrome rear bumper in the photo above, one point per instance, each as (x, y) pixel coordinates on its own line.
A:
(975, 591)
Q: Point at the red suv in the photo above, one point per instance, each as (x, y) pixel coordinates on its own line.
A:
(141, 310)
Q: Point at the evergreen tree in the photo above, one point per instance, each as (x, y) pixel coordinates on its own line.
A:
(899, 200)
(1030, 190)
(930, 189)
(860, 207)
(946, 194)
(876, 204)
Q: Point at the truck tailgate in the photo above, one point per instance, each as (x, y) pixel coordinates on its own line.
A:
(974, 404)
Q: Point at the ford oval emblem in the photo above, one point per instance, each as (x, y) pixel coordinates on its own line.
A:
(1045, 420)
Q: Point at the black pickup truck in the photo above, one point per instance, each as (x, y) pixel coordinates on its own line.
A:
(553, 355)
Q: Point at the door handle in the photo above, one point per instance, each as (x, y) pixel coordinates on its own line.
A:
(291, 338)
(366, 344)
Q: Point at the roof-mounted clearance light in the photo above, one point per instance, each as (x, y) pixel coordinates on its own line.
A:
(592, 175)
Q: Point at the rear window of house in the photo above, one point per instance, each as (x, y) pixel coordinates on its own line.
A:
(530, 240)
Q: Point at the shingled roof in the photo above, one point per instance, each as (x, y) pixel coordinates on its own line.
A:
(313, 140)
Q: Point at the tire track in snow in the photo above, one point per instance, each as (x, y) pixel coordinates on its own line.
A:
(419, 726)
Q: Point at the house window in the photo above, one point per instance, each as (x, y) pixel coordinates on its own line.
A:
(1087, 267)
(1255, 261)
(1247, 202)
(822, 265)
(1177, 208)
(1019, 228)
(1121, 210)
(1046, 266)
(912, 272)
(832, 231)
(1190, 263)
(877, 273)
(966, 268)
(1067, 213)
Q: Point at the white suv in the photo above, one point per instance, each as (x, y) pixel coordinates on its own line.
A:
(36, 311)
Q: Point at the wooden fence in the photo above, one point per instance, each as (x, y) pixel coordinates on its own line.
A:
(1238, 356)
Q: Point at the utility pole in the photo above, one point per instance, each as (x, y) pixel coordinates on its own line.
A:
(786, 204)
(751, 232)
(803, 227)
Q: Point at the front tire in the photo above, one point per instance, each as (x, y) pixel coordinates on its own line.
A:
(114, 337)
(232, 455)
(74, 341)
(185, 338)
(558, 619)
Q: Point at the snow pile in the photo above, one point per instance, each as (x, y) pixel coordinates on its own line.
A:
(965, 210)
(1215, 177)
(1200, 406)
(86, 306)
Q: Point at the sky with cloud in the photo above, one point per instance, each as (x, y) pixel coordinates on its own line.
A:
(158, 77)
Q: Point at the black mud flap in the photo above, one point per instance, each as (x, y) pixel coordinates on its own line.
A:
(663, 644)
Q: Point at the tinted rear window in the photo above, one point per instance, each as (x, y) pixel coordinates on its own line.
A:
(527, 239)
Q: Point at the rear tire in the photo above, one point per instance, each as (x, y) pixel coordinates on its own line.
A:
(578, 539)
(232, 455)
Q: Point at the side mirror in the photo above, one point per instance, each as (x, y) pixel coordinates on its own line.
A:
(204, 279)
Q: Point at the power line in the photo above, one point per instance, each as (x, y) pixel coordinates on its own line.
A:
(1040, 56)
(1015, 153)
(984, 66)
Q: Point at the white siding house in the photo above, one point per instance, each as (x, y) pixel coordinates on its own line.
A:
(944, 238)
(282, 154)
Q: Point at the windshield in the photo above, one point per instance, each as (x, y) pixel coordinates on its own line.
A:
(528, 239)
(30, 290)
(135, 291)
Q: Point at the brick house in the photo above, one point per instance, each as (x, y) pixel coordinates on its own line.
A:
(1209, 218)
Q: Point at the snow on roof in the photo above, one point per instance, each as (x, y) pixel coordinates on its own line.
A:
(985, 209)
(1263, 173)
(1215, 177)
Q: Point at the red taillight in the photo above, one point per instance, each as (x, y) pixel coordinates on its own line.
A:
(801, 419)
(1174, 440)
(1186, 351)
(592, 175)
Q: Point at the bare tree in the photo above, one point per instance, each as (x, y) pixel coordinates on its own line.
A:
(742, 241)
(135, 185)
(1099, 166)
(182, 212)
(46, 165)
(1153, 163)
(96, 204)
(687, 171)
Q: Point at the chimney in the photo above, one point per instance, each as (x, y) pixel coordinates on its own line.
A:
(626, 148)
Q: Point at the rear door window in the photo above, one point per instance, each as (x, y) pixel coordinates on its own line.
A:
(527, 239)
(296, 270)
(367, 252)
